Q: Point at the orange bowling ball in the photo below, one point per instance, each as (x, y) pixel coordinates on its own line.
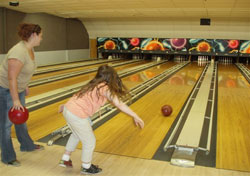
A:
(18, 116)
(166, 110)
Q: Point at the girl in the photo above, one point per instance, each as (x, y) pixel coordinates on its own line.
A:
(77, 111)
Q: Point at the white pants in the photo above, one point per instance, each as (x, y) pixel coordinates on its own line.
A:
(81, 131)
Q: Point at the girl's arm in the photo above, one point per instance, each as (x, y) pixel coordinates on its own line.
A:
(124, 108)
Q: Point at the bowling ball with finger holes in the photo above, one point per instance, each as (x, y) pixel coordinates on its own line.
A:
(18, 116)
(166, 110)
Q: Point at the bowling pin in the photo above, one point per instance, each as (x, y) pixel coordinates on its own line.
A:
(158, 59)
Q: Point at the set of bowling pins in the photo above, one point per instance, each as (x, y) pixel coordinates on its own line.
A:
(202, 60)
(156, 58)
(247, 61)
(225, 60)
(179, 58)
(114, 56)
(135, 56)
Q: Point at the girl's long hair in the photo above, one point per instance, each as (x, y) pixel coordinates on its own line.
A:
(108, 76)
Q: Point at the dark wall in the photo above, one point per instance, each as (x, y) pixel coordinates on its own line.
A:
(58, 33)
(54, 31)
(12, 19)
(76, 31)
(1, 30)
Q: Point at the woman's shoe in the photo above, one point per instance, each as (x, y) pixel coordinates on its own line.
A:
(14, 163)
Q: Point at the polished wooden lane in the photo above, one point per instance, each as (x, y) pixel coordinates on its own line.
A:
(36, 90)
(142, 76)
(233, 137)
(63, 64)
(119, 136)
(34, 163)
(45, 120)
(68, 70)
(45, 163)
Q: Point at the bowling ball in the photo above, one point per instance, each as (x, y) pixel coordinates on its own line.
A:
(166, 110)
(18, 116)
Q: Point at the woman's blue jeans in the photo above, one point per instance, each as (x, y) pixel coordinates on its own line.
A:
(7, 150)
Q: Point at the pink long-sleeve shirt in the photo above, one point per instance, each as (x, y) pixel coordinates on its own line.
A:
(88, 104)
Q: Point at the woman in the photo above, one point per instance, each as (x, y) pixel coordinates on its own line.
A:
(77, 111)
(15, 73)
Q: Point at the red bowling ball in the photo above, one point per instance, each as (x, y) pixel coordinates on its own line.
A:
(166, 110)
(18, 116)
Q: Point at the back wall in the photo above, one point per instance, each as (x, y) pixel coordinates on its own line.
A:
(64, 40)
(220, 28)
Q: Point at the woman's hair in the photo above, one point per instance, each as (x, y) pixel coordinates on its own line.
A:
(25, 30)
(108, 76)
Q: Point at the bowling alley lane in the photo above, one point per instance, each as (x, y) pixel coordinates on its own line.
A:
(135, 79)
(36, 90)
(233, 144)
(46, 120)
(63, 64)
(69, 70)
(120, 136)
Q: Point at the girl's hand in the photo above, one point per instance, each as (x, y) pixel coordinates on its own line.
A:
(139, 121)
(60, 110)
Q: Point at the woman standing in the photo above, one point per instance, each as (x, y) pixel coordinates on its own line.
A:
(15, 73)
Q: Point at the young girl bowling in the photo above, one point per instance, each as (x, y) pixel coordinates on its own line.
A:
(106, 86)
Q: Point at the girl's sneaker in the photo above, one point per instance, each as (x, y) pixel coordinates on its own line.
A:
(63, 163)
(94, 169)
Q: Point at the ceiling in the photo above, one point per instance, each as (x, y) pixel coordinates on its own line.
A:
(128, 9)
